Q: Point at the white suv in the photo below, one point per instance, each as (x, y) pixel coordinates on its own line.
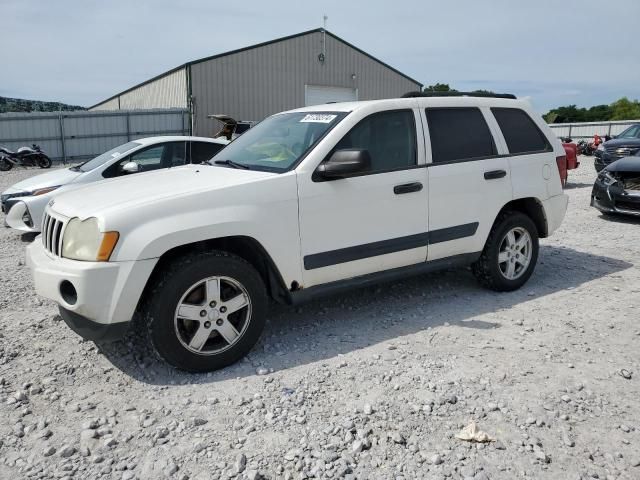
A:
(308, 202)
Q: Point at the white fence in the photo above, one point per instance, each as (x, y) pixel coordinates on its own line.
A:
(589, 129)
(74, 136)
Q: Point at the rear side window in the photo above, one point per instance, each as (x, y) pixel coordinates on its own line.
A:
(459, 134)
(203, 151)
(520, 132)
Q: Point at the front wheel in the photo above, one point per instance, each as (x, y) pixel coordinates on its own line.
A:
(44, 161)
(510, 254)
(5, 165)
(206, 312)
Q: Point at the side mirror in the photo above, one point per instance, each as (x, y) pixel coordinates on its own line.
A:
(345, 163)
(130, 167)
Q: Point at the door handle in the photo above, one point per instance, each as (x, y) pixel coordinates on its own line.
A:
(407, 188)
(493, 174)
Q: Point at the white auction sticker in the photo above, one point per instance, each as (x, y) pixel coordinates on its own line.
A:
(318, 118)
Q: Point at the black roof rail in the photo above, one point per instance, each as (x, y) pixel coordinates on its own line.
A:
(459, 94)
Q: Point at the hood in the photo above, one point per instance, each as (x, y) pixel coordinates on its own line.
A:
(145, 188)
(622, 142)
(625, 164)
(59, 176)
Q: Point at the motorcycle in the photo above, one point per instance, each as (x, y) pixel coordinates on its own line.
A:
(25, 157)
(589, 148)
(585, 148)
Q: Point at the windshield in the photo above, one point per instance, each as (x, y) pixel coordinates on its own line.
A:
(106, 156)
(277, 143)
(631, 132)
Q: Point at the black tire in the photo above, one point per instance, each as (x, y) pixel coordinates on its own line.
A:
(5, 165)
(487, 269)
(160, 304)
(44, 161)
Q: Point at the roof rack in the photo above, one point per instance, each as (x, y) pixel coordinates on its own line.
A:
(459, 94)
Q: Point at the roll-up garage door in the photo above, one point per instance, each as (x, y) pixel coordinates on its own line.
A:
(319, 94)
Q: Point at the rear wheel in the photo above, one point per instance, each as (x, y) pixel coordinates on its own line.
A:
(510, 254)
(5, 165)
(44, 161)
(206, 312)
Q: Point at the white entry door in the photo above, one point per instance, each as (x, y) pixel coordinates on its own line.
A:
(321, 94)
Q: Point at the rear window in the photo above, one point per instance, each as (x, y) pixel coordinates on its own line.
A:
(520, 131)
(459, 134)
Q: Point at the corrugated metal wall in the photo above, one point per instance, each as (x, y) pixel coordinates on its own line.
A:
(113, 104)
(257, 82)
(589, 129)
(74, 136)
(169, 91)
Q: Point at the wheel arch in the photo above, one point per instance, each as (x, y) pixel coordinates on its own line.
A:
(244, 247)
(533, 208)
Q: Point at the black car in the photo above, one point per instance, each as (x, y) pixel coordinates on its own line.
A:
(623, 145)
(617, 188)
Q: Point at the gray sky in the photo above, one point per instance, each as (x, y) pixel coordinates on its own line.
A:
(558, 52)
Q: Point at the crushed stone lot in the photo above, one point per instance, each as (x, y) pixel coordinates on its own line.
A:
(373, 384)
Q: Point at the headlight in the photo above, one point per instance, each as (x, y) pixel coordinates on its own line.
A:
(600, 147)
(83, 241)
(42, 191)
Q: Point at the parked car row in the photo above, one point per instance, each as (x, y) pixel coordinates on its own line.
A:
(625, 144)
(24, 202)
(306, 203)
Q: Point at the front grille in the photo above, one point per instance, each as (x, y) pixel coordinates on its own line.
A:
(621, 151)
(628, 206)
(52, 232)
(632, 183)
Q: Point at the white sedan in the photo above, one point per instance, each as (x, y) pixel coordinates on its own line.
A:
(24, 202)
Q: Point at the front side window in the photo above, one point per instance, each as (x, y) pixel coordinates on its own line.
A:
(520, 132)
(279, 142)
(459, 134)
(164, 155)
(107, 156)
(389, 137)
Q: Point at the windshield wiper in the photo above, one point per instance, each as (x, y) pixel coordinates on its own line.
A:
(233, 164)
(75, 168)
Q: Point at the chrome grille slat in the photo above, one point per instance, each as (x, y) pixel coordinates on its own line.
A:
(45, 232)
(52, 234)
(63, 225)
(56, 238)
(52, 224)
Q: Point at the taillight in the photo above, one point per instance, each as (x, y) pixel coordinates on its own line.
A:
(561, 161)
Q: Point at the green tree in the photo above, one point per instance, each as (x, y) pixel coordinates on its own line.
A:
(625, 109)
(439, 87)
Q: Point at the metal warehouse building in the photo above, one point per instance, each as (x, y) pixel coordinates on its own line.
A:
(251, 83)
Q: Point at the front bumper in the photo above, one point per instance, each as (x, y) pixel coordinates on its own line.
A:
(103, 293)
(18, 217)
(614, 199)
(94, 331)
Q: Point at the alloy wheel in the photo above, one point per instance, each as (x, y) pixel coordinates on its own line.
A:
(212, 315)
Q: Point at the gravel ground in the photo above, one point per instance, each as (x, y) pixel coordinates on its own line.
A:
(371, 384)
